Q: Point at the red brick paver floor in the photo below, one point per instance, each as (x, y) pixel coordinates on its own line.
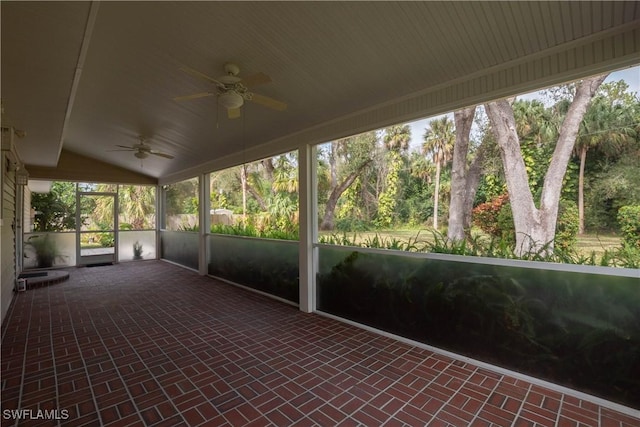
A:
(151, 344)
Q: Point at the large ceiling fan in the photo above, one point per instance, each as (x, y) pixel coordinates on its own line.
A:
(142, 149)
(232, 90)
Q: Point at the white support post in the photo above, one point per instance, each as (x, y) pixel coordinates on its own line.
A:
(160, 216)
(203, 223)
(307, 206)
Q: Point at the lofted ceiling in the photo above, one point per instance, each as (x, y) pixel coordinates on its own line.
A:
(83, 77)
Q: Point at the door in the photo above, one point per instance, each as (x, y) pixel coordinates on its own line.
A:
(97, 237)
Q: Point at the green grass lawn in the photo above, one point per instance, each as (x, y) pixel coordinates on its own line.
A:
(597, 242)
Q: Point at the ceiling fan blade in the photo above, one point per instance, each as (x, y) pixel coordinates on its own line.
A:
(200, 75)
(256, 79)
(157, 153)
(194, 96)
(233, 113)
(268, 102)
(126, 146)
(125, 149)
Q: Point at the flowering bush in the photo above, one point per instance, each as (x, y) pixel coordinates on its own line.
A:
(486, 215)
(496, 219)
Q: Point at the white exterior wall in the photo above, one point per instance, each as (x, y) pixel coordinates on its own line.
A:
(7, 221)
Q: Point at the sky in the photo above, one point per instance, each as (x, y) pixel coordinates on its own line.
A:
(630, 75)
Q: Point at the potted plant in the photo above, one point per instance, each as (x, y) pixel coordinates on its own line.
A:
(45, 249)
(137, 250)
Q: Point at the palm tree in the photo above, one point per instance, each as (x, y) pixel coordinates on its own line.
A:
(438, 144)
(397, 138)
(607, 126)
(396, 141)
(421, 167)
(533, 122)
(284, 176)
(137, 205)
(283, 202)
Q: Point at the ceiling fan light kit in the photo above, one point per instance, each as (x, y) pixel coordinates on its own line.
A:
(230, 99)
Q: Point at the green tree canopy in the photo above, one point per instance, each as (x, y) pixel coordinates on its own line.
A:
(55, 210)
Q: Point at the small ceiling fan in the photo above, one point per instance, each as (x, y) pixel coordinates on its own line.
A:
(232, 90)
(142, 149)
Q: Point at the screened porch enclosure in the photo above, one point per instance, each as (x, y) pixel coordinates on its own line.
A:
(321, 213)
(77, 224)
(572, 326)
(575, 326)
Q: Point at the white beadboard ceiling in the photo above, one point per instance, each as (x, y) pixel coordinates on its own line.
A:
(84, 76)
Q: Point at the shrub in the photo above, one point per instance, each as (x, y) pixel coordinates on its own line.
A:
(485, 215)
(496, 219)
(251, 231)
(352, 224)
(567, 226)
(381, 242)
(629, 220)
(504, 224)
(338, 239)
(624, 256)
(187, 227)
(106, 240)
(45, 248)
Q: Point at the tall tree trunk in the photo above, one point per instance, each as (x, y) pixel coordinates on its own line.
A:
(333, 170)
(583, 159)
(473, 182)
(256, 195)
(460, 187)
(535, 227)
(243, 180)
(269, 168)
(526, 217)
(436, 196)
(336, 192)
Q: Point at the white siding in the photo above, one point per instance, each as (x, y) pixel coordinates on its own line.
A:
(7, 233)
